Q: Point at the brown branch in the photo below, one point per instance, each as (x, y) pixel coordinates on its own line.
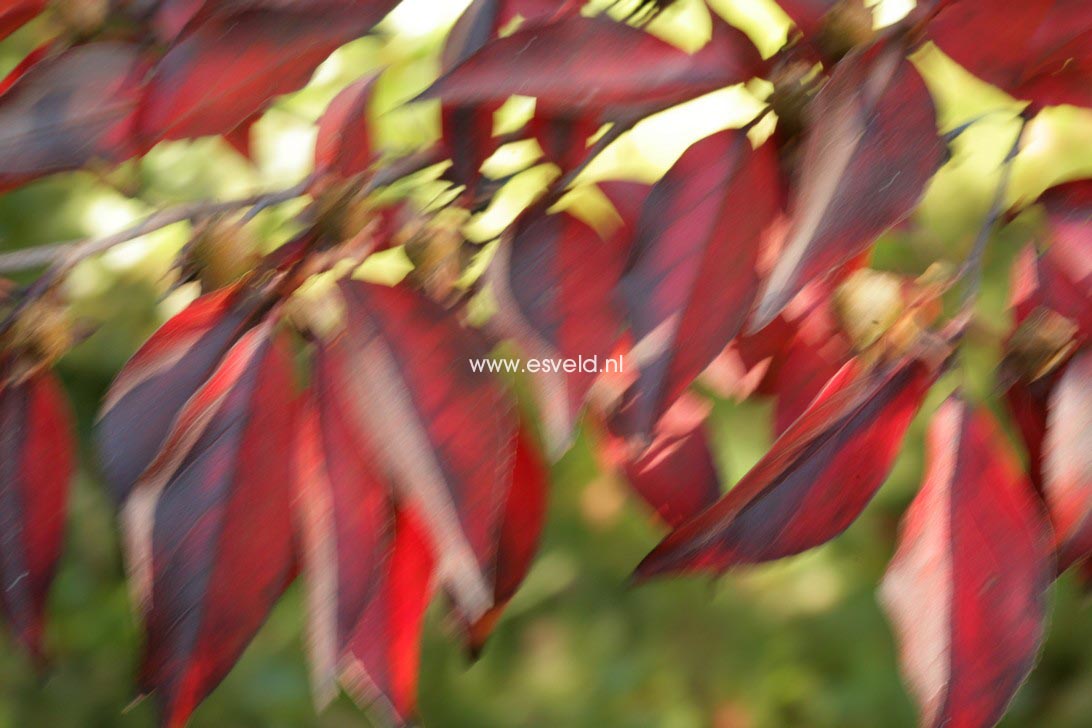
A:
(971, 270)
(64, 255)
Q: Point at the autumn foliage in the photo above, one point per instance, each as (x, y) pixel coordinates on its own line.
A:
(296, 422)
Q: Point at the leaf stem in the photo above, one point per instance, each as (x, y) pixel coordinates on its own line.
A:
(972, 267)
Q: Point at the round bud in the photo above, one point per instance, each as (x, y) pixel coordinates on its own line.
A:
(41, 334)
(82, 18)
(848, 25)
(868, 303)
(1043, 341)
(222, 252)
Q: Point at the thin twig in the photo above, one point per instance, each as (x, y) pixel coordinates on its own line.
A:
(404, 167)
(64, 255)
(972, 268)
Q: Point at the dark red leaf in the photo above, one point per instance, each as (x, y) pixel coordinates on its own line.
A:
(537, 10)
(1036, 50)
(1062, 77)
(344, 146)
(444, 434)
(1067, 461)
(520, 527)
(966, 590)
(209, 528)
(36, 463)
(230, 67)
(555, 283)
(29, 61)
(693, 277)
(152, 388)
(467, 129)
(564, 140)
(381, 661)
(69, 110)
(628, 199)
(1028, 401)
(1065, 268)
(676, 474)
(172, 16)
(579, 64)
(344, 518)
(813, 483)
(14, 14)
(869, 151)
(467, 139)
(815, 352)
(993, 39)
(239, 137)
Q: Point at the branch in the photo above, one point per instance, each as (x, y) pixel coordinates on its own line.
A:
(63, 256)
(972, 267)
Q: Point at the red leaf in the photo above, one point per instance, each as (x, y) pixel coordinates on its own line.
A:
(555, 283)
(1067, 464)
(564, 140)
(382, 657)
(444, 434)
(536, 10)
(467, 130)
(814, 354)
(870, 150)
(812, 484)
(344, 519)
(29, 61)
(239, 137)
(344, 146)
(17, 13)
(172, 16)
(36, 463)
(578, 64)
(693, 277)
(966, 590)
(676, 474)
(520, 527)
(990, 38)
(1036, 50)
(69, 110)
(628, 199)
(1027, 401)
(229, 67)
(467, 139)
(1065, 268)
(152, 388)
(208, 527)
(1062, 77)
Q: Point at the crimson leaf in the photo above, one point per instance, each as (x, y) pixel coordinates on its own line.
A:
(208, 526)
(443, 433)
(36, 462)
(692, 279)
(966, 590)
(814, 481)
(869, 150)
(69, 110)
(153, 386)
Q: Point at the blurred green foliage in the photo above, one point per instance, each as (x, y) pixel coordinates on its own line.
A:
(799, 643)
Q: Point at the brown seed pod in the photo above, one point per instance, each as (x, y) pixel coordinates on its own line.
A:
(222, 252)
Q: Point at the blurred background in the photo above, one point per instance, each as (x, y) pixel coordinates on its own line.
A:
(799, 643)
